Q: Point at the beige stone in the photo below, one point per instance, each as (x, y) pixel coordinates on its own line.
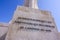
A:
(59, 35)
(31, 3)
(3, 28)
(30, 23)
(25, 25)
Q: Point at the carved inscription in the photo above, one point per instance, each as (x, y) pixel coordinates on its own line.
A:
(32, 29)
(34, 24)
(34, 20)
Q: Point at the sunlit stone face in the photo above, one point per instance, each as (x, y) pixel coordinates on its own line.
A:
(31, 3)
(32, 24)
(3, 29)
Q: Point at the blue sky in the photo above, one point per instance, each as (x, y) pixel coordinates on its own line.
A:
(7, 8)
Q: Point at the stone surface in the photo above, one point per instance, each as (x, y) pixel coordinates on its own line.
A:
(31, 4)
(3, 30)
(32, 24)
(59, 35)
(3, 36)
(29, 23)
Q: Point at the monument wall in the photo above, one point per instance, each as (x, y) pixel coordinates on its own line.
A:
(3, 28)
(32, 24)
(59, 35)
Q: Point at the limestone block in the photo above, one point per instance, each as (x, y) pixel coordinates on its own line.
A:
(32, 24)
(59, 35)
(3, 30)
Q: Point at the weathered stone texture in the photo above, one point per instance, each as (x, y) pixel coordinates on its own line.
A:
(32, 24)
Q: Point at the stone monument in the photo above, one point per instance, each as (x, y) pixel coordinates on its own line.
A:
(31, 4)
(3, 30)
(30, 23)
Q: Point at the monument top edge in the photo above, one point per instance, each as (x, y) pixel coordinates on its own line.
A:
(4, 24)
(18, 7)
(27, 9)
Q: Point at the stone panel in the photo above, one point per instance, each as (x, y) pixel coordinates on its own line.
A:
(32, 24)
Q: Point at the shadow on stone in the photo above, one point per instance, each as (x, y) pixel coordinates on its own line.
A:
(3, 37)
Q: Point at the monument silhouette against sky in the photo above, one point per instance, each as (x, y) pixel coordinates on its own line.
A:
(31, 23)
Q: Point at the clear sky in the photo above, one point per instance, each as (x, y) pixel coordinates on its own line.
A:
(7, 8)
